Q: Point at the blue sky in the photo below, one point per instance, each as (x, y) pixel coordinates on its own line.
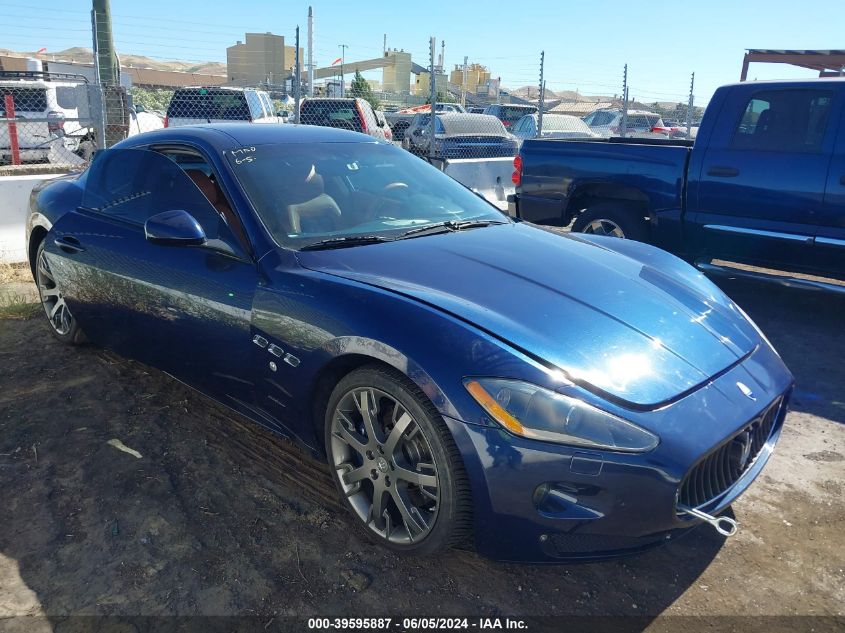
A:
(586, 43)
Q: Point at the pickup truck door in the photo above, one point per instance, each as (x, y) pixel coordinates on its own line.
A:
(759, 190)
(830, 236)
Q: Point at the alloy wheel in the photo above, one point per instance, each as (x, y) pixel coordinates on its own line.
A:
(604, 227)
(52, 299)
(385, 465)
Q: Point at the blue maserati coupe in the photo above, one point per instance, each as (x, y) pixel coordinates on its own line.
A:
(467, 377)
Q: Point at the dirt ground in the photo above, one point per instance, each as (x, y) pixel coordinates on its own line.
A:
(215, 516)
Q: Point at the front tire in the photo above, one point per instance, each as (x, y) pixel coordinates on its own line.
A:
(63, 325)
(395, 464)
(614, 220)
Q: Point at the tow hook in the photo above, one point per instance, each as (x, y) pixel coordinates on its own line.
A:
(716, 522)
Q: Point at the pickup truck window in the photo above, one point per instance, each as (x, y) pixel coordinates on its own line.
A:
(784, 121)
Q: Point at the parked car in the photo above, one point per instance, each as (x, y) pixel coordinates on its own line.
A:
(352, 113)
(449, 107)
(608, 122)
(216, 104)
(509, 113)
(381, 121)
(51, 101)
(763, 184)
(461, 136)
(458, 370)
(413, 139)
(399, 122)
(554, 126)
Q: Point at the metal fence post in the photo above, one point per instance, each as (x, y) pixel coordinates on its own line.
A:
(542, 95)
(432, 89)
(624, 127)
(14, 145)
(689, 106)
(296, 79)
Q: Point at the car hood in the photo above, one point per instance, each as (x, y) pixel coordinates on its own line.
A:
(625, 320)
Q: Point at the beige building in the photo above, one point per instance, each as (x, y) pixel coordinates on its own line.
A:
(396, 77)
(477, 77)
(261, 58)
(422, 86)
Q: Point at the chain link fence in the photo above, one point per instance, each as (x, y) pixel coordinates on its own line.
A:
(58, 121)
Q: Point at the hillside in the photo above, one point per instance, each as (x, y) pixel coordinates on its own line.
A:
(85, 56)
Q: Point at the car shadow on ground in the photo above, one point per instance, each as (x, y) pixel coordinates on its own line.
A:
(806, 328)
(218, 516)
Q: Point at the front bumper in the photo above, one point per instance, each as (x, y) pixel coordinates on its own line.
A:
(543, 502)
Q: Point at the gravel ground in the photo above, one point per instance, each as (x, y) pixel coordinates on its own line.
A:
(215, 516)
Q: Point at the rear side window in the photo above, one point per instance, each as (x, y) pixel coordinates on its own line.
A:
(208, 104)
(602, 118)
(26, 99)
(339, 114)
(784, 120)
(66, 97)
(512, 114)
(256, 109)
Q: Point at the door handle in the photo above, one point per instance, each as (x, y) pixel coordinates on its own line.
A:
(723, 172)
(69, 244)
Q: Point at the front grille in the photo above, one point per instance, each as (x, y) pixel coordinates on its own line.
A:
(722, 468)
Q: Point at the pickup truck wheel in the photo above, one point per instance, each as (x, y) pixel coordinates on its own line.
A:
(614, 220)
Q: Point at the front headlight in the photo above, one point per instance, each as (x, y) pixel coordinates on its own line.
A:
(537, 413)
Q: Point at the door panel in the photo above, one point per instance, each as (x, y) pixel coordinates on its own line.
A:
(186, 310)
(830, 236)
(762, 179)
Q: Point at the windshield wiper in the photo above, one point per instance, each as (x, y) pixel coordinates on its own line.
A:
(344, 242)
(447, 227)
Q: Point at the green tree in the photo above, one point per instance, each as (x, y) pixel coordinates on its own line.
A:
(360, 88)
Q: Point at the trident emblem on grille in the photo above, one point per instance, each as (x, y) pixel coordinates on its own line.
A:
(745, 449)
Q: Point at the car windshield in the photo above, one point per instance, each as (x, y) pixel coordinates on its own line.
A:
(307, 193)
(512, 113)
(208, 104)
(470, 124)
(339, 113)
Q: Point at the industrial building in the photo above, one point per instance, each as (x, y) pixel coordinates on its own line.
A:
(262, 58)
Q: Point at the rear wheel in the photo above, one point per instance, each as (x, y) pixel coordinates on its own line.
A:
(395, 463)
(614, 220)
(63, 325)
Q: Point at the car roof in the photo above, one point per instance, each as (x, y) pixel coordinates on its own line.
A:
(222, 88)
(223, 136)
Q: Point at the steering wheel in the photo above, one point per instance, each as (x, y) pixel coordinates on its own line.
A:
(393, 194)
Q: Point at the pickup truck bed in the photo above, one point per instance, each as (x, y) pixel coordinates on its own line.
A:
(762, 185)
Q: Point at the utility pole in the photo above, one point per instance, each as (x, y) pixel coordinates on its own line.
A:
(542, 95)
(624, 128)
(343, 47)
(689, 105)
(464, 83)
(310, 52)
(432, 90)
(384, 47)
(297, 79)
(107, 70)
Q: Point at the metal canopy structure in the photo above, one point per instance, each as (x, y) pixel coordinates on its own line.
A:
(828, 63)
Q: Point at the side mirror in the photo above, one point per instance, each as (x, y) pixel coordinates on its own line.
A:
(174, 228)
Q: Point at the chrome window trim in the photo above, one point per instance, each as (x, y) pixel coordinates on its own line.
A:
(793, 237)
